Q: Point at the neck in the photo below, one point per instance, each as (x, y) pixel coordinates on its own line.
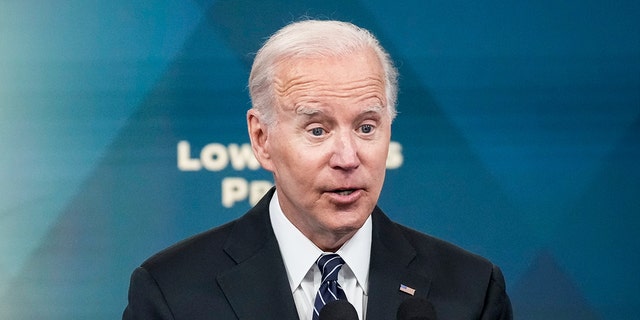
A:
(331, 241)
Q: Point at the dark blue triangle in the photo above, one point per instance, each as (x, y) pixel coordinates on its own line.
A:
(545, 292)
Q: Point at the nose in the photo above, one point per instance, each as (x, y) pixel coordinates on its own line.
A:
(345, 152)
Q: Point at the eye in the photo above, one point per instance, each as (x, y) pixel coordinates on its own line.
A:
(366, 128)
(317, 131)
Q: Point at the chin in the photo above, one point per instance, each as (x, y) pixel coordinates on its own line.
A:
(348, 225)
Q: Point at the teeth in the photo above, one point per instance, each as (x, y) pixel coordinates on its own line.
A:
(345, 192)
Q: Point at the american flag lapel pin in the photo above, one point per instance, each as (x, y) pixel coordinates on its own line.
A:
(407, 290)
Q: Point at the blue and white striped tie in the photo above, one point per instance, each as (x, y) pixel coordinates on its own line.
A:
(330, 289)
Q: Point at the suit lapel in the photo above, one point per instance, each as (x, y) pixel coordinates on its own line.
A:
(257, 287)
(391, 261)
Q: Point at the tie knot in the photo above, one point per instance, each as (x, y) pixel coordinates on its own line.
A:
(330, 265)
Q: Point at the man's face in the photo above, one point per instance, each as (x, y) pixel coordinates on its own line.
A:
(329, 145)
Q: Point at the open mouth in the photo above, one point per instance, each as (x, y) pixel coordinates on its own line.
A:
(345, 192)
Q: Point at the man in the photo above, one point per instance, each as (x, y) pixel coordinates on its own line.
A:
(323, 95)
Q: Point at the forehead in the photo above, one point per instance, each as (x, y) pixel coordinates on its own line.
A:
(358, 74)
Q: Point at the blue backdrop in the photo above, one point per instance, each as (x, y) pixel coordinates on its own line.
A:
(122, 130)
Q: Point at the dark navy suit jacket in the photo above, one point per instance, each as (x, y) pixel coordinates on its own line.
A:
(236, 271)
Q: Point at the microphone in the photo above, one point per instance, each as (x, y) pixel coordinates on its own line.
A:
(338, 310)
(416, 309)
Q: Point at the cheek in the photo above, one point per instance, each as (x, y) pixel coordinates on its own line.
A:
(289, 160)
(376, 154)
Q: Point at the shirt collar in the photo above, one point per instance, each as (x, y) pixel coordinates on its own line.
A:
(356, 253)
(299, 253)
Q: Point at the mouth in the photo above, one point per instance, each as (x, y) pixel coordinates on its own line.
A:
(346, 196)
(344, 192)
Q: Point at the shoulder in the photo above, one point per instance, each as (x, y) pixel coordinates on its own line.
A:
(437, 259)
(446, 252)
(188, 256)
(449, 262)
(428, 251)
(218, 248)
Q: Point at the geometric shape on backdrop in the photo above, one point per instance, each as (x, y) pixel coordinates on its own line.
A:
(598, 242)
(545, 292)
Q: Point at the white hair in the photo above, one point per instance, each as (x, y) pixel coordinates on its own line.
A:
(313, 38)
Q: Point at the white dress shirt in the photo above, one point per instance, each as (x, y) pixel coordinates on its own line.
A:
(300, 254)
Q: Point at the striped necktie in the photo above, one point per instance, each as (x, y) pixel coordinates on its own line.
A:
(330, 289)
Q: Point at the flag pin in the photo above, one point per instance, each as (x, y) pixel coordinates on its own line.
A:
(407, 290)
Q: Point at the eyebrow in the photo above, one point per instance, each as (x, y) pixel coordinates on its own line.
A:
(374, 108)
(309, 111)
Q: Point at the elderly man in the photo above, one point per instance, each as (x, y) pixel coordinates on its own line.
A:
(323, 95)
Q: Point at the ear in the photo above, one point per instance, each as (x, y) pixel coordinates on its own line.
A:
(259, 136)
